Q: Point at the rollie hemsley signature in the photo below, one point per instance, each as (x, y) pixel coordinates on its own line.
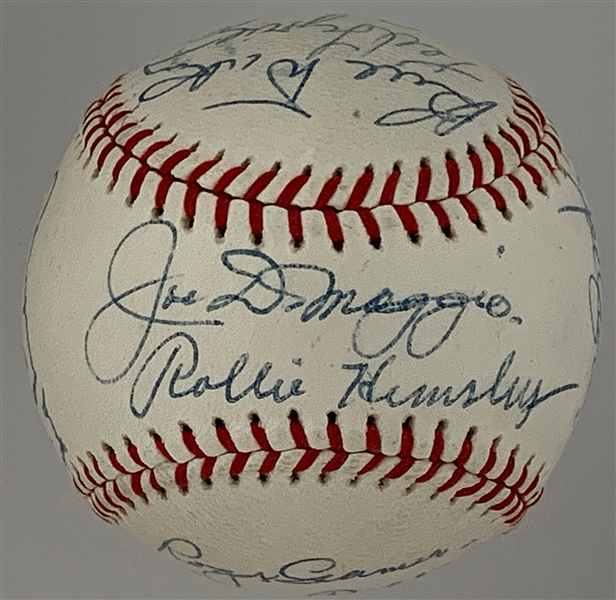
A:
(264, 287)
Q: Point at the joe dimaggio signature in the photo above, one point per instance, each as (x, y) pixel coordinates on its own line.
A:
(422, 323)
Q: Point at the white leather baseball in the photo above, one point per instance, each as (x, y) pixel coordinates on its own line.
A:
(313, 304)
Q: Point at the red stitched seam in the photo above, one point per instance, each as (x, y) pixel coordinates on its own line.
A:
(511, 500)
(103, 114)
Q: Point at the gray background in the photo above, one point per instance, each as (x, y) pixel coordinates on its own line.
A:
(59, 56)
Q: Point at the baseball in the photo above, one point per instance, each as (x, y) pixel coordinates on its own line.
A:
(313, 304)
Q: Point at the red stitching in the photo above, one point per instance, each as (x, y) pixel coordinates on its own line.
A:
(102, 157)
(336, 444)
(260, 183)
(435, 457)
(295, 226)
(255, 218)
(554, 138)
(371, 226)
(389, 189)
(360, 189)
(497, 157)
(328, 190)
(119, 115)
(523, 136)
(221, 213)
(106, 122)
(409, 222)
(460, 462)
(535, 176)
(519, 93)
(453, 173)
(512, 142)
(471, 211)
(441, 217)
(228, 177)
(334, 229)
(109, 499)
(423, 181)
(292, 189)
(477, 166)
(406, 452)
(297, 431)
(529, 122)
(499, 199)
(521, 190)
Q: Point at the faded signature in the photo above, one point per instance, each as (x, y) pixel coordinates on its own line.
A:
(449, 107)
(594, 279)
(305, 571)
(336, 33)
(280, 82)
(38, 390)
(286, 78)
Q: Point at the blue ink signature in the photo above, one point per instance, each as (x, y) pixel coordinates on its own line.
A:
(422, 323)
(287, 77)
(299, 572)
(174, 348)
(120, 301)
(516, 393)
(267, 288)
(450, 108)
(594, 279)
(175, 345)
(38, 391)
(362, 39)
